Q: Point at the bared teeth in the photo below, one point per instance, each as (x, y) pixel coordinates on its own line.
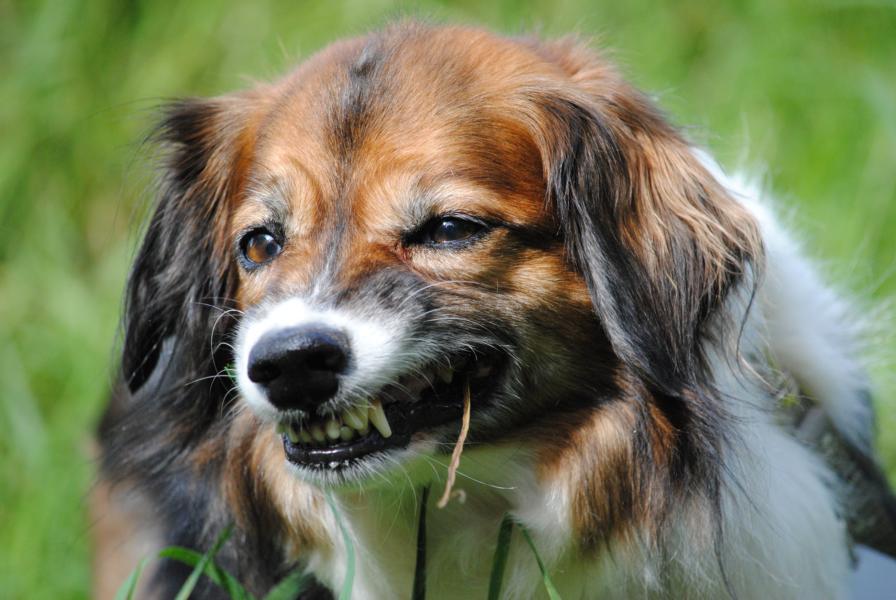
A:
(363, 416)
(378, 418)
(317, 434)
(352, 418)
(332, 429)
(356, 421)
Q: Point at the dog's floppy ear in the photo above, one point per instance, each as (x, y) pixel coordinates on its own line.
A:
(658, 239)
(182, 278)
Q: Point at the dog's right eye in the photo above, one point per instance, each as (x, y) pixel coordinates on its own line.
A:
(449, 231)
(259, 247)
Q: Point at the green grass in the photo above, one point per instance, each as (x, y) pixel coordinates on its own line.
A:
(295, 582)
(204, 565)
(805, 89)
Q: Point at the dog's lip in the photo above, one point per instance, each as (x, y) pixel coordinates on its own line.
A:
(340, 454)
(439, 405)
(337, 455)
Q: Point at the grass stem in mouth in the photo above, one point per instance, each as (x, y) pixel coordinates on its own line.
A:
(458, 448)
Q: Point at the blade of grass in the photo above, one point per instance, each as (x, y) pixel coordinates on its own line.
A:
(289, 587)
(126, 591)
(545, 576)
(500, 562)
(419, 590)
(219, 576)
(346, 593)
(200, 567)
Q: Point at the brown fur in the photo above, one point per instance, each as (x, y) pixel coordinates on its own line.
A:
(596, 192)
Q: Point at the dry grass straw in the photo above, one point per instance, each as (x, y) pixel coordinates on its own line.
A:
(458, 448)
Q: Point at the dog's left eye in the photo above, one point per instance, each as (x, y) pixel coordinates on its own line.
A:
(446, 230)
(260, 246)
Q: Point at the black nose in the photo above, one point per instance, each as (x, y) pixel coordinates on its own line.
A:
(299, 367)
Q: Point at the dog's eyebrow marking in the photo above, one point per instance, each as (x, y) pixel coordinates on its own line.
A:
(271, 199)
(277, 194)
(356, 100)
(275, 205)
(445, 193)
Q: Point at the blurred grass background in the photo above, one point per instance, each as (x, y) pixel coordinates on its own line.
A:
(804, 89)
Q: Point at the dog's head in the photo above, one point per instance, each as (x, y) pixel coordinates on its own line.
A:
(423, 211)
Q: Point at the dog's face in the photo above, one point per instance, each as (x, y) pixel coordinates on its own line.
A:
(429, 211)
(394, 248)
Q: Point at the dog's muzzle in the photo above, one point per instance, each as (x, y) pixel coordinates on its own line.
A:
(341, 389)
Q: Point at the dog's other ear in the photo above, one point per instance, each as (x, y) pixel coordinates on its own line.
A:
(183, 277)
(659, 240)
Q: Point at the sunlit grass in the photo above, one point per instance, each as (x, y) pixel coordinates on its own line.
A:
(805, 90)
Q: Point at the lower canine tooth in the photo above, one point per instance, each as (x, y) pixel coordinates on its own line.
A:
(346, 433)
(304, 437)
(317, 434)
(332, 428)
(378, 418)
(291, 434)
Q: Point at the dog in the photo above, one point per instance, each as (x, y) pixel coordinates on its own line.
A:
(662, 392)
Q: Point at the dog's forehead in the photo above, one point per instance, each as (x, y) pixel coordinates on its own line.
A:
(375, 125)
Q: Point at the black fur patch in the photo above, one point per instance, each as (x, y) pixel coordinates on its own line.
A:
(174, 393)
